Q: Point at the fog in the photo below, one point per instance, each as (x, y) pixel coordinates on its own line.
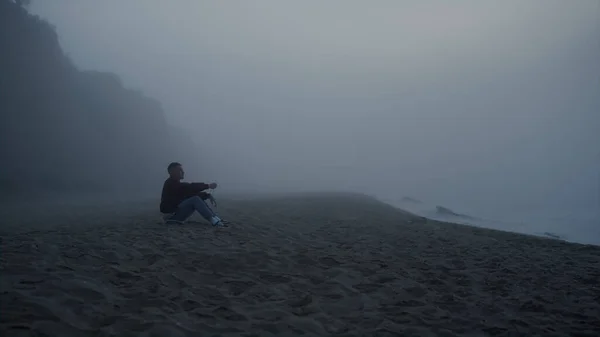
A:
(488, 107)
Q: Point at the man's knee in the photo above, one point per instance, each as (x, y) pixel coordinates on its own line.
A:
(197, 201)
(196, 198)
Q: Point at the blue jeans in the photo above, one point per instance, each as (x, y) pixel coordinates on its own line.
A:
(187, 207)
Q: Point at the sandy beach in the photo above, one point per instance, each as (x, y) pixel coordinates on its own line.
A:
(311, 265)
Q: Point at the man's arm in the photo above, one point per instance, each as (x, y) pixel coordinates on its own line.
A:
(199, 187)
(192, 189)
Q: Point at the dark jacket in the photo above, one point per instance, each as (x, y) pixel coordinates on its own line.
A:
(174, 192)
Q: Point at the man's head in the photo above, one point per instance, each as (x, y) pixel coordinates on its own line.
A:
(175, 171)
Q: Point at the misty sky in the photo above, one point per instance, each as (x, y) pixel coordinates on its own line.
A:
(458, 102)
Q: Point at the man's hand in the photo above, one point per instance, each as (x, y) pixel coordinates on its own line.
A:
(212, 186)
(212, 200)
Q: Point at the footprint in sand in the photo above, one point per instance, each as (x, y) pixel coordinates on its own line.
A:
(127, 275)
(410, 303)
(329, 261)
(418, 292)
(255, 258)
(152, 258)
(303, 261)
(189, 305)
(237, 288)
(306, 300)
(267, 327)
(87, 294)
(229, 314)
(274, 278)
(367, 287)
(333, 296)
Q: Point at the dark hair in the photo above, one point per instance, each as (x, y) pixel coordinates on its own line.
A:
(172, 166)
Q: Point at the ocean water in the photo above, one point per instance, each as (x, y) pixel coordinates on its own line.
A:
(579, 224)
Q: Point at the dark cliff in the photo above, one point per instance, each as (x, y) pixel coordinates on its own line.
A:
(66, 130)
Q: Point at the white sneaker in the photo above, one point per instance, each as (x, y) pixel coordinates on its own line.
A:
(216, 221)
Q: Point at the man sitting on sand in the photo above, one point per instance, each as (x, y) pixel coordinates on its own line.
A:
(179, 200)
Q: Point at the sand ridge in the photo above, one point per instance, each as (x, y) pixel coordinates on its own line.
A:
(328, 265)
